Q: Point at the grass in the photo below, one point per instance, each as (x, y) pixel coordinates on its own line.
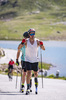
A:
(54, 77)
(44, 66)
(16, 20)
(14, 29)
(50, 76)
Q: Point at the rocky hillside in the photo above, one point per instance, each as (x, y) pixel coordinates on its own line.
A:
(48, 17)
(2, 53)
(12, 8)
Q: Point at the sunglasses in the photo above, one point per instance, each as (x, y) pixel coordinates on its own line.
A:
(32, 34)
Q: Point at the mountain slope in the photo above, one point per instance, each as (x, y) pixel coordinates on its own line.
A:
(11, 8)
(48, 17)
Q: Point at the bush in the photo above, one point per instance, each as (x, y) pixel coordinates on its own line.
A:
(51, 76)
(65, 78)
(6, 70)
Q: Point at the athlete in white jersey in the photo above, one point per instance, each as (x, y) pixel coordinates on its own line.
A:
(31, 58)
(31, 53)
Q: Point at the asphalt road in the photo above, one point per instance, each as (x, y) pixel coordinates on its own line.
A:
(53, 89)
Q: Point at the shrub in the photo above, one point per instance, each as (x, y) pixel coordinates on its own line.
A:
(6, 70)
(51, 76)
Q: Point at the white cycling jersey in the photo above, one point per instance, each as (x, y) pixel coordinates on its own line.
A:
(31, 52)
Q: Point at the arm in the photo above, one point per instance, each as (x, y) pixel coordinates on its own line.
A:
(24, 42)
(40, 43)
(18, 54)
(42, 47)
(19, 47)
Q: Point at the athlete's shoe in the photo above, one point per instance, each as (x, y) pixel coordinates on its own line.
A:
(36, 92)
(9, 76)
(22, 89)
(28, 92)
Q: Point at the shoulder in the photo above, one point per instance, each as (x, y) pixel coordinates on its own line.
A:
(37, 40)
(26, 41)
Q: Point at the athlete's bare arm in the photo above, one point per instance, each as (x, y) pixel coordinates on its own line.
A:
(18, 52)
(41, 46)
(19, 47)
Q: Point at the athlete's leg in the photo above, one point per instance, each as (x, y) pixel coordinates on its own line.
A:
(35, 69)
(8, 69)
(28, 81)
(12, 72)
(28, 68)
(28, 77)
(23, 80)
(23, 75)
(36, 80)
(31, 83)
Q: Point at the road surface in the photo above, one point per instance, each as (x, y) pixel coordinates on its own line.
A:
(53, 89)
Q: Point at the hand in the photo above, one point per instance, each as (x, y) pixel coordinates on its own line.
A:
(17, 62)
(41, 43)
(23, 41)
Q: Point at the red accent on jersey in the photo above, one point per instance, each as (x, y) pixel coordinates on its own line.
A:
(41, 43)
(23, 40)
(11, 62)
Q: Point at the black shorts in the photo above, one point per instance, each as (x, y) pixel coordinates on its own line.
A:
(10, 67)
(23, 65)
(31, 66)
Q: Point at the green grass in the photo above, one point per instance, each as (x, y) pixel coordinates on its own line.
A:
(15, 28)
(50, 76)
(44, 66)
(54, 77)
(16, 20)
